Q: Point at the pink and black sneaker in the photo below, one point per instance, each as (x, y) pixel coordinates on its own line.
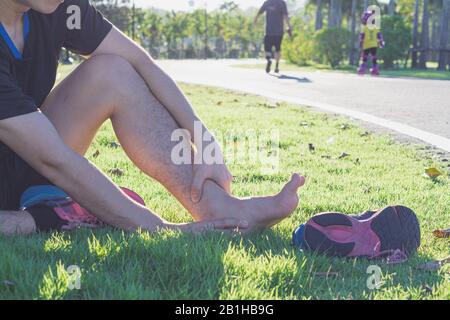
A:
(53, 209)
(392, 232)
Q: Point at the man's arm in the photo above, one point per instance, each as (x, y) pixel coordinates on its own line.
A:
(42, 148)
(260, 13)
(288, 23)
(286, 18)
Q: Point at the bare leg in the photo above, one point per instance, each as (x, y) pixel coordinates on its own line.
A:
(16, 223)
(96, 91)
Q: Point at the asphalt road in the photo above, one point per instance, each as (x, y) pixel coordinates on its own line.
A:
(415, 107)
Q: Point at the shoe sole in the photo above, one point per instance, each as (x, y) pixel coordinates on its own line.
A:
(337, 234)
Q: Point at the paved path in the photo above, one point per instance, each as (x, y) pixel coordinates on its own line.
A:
(415, 107)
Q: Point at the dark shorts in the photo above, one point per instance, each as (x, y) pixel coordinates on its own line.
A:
(273, 41)
(16, 176)
(371, 51)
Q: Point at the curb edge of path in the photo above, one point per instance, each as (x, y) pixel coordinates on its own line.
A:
(428, 137)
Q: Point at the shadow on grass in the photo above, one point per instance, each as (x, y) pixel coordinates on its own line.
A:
(322, 277)
(175, 266)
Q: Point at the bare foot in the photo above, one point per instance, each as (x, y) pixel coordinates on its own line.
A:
(265, 212)
(259, 212)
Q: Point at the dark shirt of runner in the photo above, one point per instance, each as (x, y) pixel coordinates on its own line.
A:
(275, 11)
(26, 79)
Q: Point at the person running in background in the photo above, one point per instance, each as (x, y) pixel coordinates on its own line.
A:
(370, 40)
(276, 15)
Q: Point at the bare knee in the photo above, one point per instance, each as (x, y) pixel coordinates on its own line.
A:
(113, 71)
(16, 223)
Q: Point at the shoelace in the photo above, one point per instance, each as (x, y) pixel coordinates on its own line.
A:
(396, 256)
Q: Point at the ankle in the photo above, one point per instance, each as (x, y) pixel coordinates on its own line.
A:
(215, 203)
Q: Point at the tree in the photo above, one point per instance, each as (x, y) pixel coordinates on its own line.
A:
(365, 5)
(415, 35)
(352, 55)
(319, 18)
(335, 14)
(398, 39)
(443, 50)
(391, 7)
(117, 11)
(425, 36)
(332, 44)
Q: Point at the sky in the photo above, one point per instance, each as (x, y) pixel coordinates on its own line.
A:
(184, 4)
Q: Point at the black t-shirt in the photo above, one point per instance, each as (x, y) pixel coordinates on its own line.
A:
(275, 12)
(27, 79)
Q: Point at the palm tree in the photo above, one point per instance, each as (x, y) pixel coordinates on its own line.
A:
(415, 35)
(443, 50)
(425, 36)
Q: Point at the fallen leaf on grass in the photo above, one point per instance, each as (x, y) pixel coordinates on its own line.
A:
(434, 265)
(116, 172)
(96, 154)
(427, 289)
(268, 105)
(442, 233)
(219, 103)
(343, 155)
(325, 156)
(311, 147)
(368, 190)
(114, 145)
(432, 173)
(345, 126)
(365, 134)
(305, 124)
(357, 162)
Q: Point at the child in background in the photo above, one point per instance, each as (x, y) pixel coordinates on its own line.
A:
(370, 40)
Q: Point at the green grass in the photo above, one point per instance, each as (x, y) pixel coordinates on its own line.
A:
(431, 73)
(170, 265)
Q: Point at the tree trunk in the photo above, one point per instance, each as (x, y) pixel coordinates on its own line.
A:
(425, 37)
(391, 8)
(415, 36)
(319, 18)
(353, 31)
(339, 13)
(434, 37)
(443, 53)
(334, 15)
(365, 5)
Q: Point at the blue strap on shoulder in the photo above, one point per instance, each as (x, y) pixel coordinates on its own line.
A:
(26, 30)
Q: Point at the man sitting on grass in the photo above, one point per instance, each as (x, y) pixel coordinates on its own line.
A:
(44, 133)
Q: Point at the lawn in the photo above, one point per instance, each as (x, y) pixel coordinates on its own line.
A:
(431, 73)
(169, 265)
